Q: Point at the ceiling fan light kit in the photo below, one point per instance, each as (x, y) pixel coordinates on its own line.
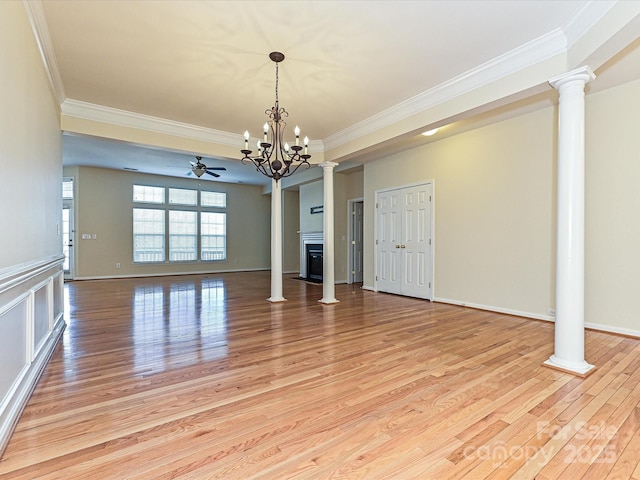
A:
(200, 169)
(276, 158)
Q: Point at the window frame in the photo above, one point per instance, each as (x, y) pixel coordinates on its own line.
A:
(200, 211)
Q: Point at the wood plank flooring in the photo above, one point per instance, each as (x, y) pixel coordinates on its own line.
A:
(199, 377)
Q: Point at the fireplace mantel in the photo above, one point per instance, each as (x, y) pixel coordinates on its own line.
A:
(305, 238)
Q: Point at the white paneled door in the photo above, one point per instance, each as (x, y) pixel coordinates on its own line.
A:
(403, 241)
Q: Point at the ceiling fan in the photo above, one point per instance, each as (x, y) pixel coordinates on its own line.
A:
(200, 168)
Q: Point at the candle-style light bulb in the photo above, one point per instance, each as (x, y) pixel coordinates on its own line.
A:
(266, 130)
(259, 148)
(297, 132)
(246, 139)
(286, 147)
(306, 144)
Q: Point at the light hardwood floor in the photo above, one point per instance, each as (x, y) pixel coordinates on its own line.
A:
(199, 377)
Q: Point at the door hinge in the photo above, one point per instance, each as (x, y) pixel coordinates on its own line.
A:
(429, 241)
(353, 242)
(353, 272)
(376, 278)
(429, 197)
(376, 241)
(376, 204)
(429, 284)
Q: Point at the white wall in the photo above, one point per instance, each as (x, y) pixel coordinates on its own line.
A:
(31, 214)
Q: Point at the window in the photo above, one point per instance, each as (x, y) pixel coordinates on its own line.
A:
(213, 234)
(213, 199)
(180, 196)
(147, 194)
(67, 188)
(183, 236)
(148, 235)
(195, 231)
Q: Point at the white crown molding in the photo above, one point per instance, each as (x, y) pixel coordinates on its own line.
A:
(531, 53)
(586, 18)
(38, 22)
(123, 118)
(538, 50)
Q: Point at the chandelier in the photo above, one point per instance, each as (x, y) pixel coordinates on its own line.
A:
(276, 158)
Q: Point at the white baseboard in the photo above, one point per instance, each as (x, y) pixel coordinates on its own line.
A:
(508, 311)
(172, 274)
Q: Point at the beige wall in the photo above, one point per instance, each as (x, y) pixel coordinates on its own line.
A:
(104, 207)
(494, 212)
(346, 186)
(612, 223)
(30, 147)
(31, 288)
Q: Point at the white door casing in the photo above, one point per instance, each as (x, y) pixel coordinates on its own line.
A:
(404, 241)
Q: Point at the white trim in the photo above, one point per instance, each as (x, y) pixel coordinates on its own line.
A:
(166, 274)
(609, 329)
(305, 238)
(507, 311)
(124, 118)
(368, 287)
(13, 276)
(586, 18)
(524, 56)
(38, 22)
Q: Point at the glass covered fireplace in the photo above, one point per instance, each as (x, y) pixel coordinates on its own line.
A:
(314, 261)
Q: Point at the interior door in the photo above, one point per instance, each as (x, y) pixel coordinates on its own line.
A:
(388, 275)
(357, 229)
(416, 241)
(403, 242)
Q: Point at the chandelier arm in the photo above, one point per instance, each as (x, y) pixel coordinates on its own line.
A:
(273, 159)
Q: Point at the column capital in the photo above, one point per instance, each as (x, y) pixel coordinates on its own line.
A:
(329, 165)
(584, 74)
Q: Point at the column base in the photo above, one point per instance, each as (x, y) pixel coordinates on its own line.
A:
(581, 369)
(328, 301)
(276, 299)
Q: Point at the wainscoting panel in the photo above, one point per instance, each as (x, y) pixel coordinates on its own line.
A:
(31, 323)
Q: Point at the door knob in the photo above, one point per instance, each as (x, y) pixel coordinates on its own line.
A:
(403, 246)
(397, 246)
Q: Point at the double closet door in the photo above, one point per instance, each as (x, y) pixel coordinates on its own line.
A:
(403, 241)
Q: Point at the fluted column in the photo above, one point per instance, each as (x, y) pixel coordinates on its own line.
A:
(569, 327)
(276, 243)
(328, 275)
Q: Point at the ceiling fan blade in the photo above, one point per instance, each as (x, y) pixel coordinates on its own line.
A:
(212, 174)
(216, 168)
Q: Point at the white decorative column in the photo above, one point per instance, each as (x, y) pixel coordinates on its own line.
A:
(276, 243)
(569, 327)
(328, 276)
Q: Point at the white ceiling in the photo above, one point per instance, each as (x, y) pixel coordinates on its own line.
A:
(205, 63)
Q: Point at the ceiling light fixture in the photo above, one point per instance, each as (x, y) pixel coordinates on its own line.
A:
(276, 158)
(428, 133)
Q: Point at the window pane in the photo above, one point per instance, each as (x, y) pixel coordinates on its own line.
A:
(213, 199)
(67, 188)
(213, 236)
(180, 196)
(147, 194)
(148, 235)
(183, 236)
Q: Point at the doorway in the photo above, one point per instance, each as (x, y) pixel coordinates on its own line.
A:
(67, 227)
(404, 254)
(355, 251)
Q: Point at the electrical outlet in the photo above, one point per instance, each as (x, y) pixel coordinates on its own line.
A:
(117, 265)
(551, 312)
